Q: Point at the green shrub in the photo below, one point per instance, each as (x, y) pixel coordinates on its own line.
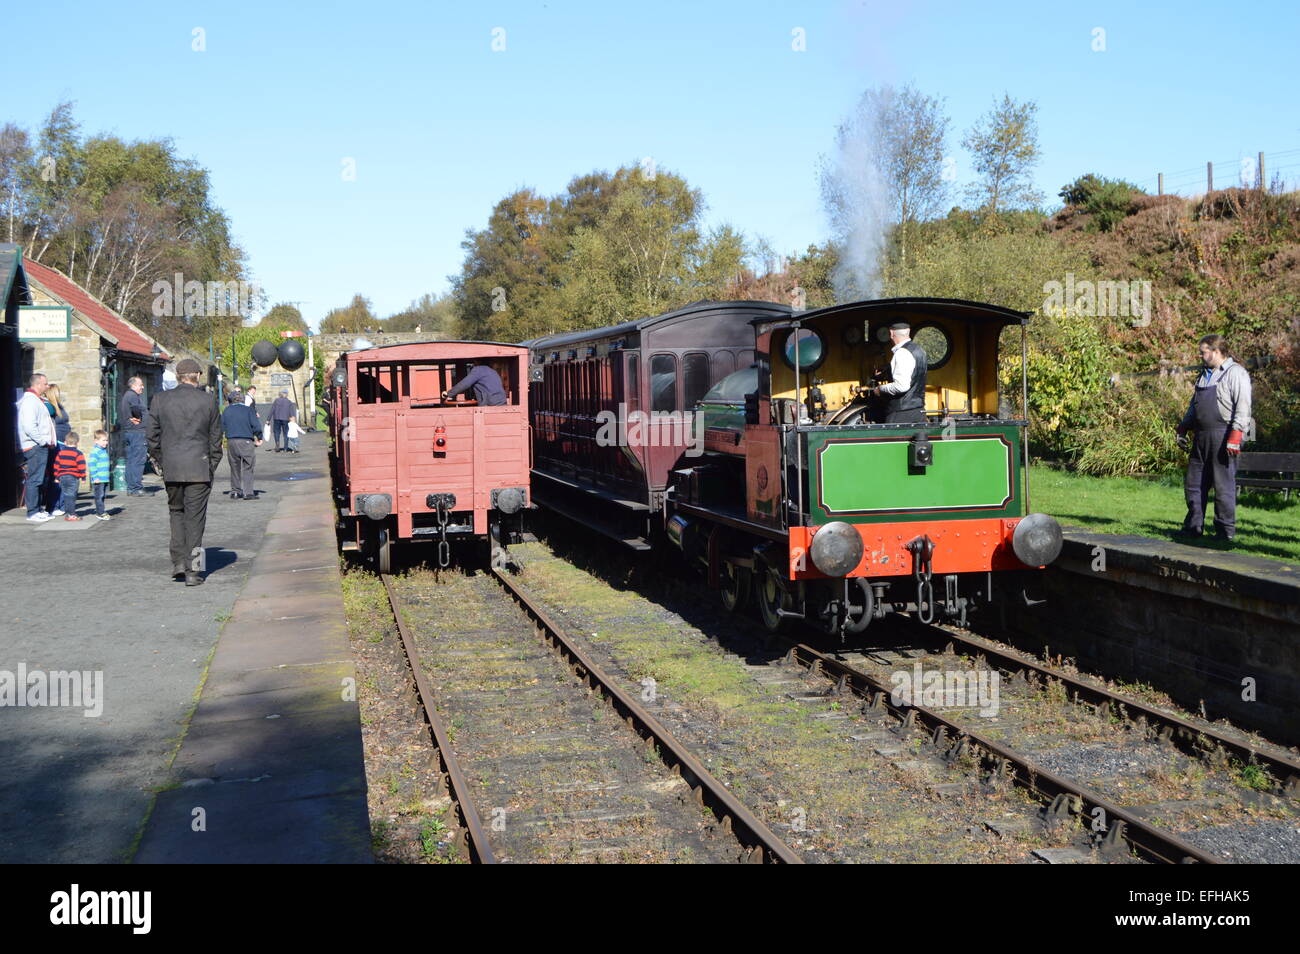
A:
(1080, 190)
(1133, 430)
(1276, 409)
(1108, 201)
(1068, 368)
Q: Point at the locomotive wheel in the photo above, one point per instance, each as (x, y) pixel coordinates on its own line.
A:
(733, 586)
(771, 597)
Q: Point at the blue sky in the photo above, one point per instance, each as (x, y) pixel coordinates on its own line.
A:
(441, 126)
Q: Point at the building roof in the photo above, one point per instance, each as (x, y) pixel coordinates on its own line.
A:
(124, 335)
(11, 268)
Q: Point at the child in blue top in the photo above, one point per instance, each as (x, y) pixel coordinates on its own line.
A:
(98, 465)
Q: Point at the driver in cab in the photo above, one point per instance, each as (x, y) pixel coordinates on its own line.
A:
(904, 394)
(486, 382)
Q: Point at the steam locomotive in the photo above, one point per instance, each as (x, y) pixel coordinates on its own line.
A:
(744, 435)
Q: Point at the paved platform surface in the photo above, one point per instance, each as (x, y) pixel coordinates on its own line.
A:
(95, 596)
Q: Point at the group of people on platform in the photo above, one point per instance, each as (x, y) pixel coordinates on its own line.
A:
(180, 430)
(53, 462)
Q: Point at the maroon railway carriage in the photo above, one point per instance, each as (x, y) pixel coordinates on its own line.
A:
(612, 409)
(411, 467)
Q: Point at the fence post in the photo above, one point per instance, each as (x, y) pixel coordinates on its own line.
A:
(1209, 177)
(1160, 183)
(1259, 180)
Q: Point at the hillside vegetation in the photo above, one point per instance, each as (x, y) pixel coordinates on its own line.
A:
(1106, 389)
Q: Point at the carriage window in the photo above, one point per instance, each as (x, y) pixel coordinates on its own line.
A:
(695, 376)
(663, 383)
(633, 382)
(723, 365)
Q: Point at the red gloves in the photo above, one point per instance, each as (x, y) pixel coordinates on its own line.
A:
(1234, 443)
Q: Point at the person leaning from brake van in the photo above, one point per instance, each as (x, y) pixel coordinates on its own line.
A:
(36, 438)
(243, 434)
(486, 383)
(1219, 415)
(134, 419)
(904, 393)
(185, 437)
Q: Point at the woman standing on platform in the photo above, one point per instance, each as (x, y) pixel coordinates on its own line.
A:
(53, 491)
(62, 424)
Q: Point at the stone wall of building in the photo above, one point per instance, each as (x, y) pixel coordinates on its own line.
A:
(74, 366)
(269, 383)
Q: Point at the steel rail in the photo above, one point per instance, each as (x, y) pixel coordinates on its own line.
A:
(1068, 797)
(476, 841)
(762, 843)
(1285, 770)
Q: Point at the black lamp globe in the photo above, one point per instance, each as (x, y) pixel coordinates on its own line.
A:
(292, 355)
(264, 354)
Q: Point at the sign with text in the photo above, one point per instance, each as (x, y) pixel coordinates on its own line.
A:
(281, 379)
(44, 323)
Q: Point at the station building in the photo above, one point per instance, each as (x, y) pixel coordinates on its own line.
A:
(86, 348)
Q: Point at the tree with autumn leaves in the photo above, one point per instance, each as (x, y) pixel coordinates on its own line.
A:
(611, 247)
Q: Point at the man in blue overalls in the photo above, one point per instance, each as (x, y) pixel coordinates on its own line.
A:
(1219, 415)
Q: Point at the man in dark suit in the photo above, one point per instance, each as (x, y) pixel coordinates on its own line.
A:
(185, 438)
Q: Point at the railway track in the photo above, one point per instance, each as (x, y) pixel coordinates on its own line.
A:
(1135, 781)
(1202, 741)
(1066, 798)
(1020, 745)
(534, 763)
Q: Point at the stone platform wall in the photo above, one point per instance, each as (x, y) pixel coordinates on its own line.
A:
(1223, 633)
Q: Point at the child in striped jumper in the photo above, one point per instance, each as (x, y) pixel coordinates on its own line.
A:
(69, 471)
(99, 467)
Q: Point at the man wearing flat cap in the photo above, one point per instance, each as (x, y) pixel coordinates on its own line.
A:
(185, 438)
(904, 393)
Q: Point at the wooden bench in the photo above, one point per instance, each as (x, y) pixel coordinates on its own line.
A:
(1284, 471)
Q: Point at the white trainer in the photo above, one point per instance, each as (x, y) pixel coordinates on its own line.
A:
(39, 517)
(56, 513)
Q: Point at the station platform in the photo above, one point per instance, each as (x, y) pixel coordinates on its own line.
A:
(1218, 631)
(224, 728)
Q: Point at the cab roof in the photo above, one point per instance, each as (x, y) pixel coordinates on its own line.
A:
(973, 311)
